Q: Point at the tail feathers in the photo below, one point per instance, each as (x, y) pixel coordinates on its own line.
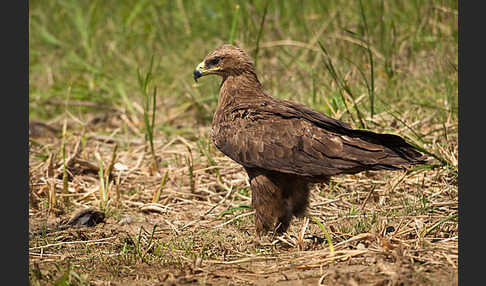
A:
(402, 154)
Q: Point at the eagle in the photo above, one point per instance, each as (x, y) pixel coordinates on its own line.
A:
(284, 146)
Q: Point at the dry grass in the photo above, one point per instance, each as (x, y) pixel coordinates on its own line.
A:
(386, 228)
(179, 214)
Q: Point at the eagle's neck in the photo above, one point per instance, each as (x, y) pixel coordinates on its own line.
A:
(239, 88)
(237, 91)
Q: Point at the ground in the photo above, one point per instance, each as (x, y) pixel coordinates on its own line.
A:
(195, 226)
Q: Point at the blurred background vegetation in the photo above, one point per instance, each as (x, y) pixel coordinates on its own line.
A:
(95, 66)
(360, 61)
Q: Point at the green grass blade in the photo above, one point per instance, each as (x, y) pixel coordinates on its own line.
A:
(260, 32)
(139, 6)
(328, 237)
(234, 25)
(371, 86)
(101, 175)
(437, 224)
(343, 86)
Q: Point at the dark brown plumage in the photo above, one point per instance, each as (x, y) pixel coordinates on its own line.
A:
(284, 146)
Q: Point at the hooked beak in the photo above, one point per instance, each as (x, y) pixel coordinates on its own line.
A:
(202, 70)
(199, 71)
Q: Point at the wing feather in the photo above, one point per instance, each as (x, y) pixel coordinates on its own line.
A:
(293, 138)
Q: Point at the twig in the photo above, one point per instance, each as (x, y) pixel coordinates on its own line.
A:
(244, 260)
(235, 218)
(228, 193)
(72, 242)
(368, 197)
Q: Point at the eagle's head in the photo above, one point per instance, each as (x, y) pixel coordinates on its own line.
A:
(225, 61)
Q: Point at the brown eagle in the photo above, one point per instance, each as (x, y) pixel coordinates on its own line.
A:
(285, 146)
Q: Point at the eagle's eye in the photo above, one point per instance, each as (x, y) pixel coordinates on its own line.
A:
(214, 61)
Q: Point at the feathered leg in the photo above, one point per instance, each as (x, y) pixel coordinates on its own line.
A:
(272, 211)
(277, 197)
(298, 193)
(298, 198)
